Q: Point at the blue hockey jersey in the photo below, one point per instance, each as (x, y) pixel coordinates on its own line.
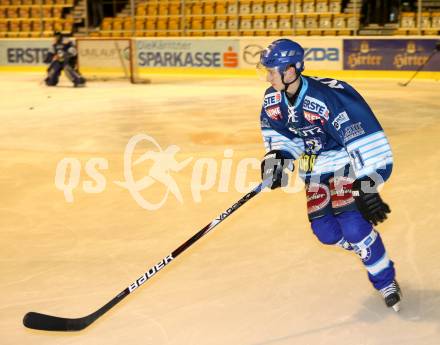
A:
(330, 127)
(65, 50)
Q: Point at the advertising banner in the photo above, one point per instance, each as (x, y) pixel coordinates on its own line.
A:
(320, 53)
(390, 54)
(103, 53)
(23, 52)
(198, 53)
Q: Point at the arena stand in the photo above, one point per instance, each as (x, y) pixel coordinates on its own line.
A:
(430, 23)
(174, 18)
(231, 18)
(35, 18)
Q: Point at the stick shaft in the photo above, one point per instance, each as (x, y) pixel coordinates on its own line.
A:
(420, 67)
(165, 261)
(55, 323)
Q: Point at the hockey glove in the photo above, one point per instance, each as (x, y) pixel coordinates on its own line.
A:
(368, 201)
(48, 57)
(273, 168)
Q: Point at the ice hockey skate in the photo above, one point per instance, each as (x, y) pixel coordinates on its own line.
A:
(392, 295)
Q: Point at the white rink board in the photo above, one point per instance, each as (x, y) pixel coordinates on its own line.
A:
(187, 53)
(104, 56)
(27, 52)
(320, 53)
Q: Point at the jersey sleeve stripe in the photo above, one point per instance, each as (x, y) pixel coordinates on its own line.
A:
(291, 149)
(366, 147)
(374, 150)
(366, 140)
(381, 155)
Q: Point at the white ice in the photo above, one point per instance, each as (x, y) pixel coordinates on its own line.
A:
(260, 278)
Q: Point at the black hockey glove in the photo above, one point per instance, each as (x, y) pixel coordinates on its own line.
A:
(273, 167)
(368, 201)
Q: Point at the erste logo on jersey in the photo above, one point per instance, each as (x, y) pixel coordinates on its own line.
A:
(314, 110)
(339, 120)
(274, 112)
(272, 99)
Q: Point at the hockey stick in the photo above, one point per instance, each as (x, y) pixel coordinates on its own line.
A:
(54, 323)
(436, 50)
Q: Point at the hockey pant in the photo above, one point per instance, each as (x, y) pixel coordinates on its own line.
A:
(54, 72)
(335, 220)
(74, 75)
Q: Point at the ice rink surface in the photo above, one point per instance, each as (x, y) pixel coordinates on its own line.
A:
(260, 278)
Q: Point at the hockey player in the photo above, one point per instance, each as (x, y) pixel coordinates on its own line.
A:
(63, 56)
(341, 152)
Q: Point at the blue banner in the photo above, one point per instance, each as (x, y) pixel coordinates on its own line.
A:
(390, 54)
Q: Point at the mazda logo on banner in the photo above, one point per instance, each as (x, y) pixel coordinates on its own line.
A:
(251, 54)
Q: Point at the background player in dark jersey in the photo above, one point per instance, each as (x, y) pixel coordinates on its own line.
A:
(342, 154)
(63, 57)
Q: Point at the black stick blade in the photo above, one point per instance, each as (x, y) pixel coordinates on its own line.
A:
(54, 323)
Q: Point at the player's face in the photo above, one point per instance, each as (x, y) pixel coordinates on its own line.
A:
(272, 76)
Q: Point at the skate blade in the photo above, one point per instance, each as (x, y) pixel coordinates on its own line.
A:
(396, 307)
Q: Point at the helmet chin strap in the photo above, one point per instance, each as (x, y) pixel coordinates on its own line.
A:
(286, 85)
